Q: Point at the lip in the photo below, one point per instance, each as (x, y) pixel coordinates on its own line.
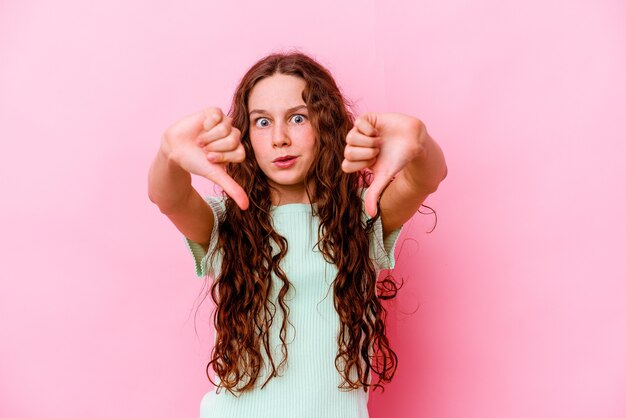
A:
(285, 161)
(284, 158)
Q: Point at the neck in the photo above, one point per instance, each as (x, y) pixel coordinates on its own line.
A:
(284, 195)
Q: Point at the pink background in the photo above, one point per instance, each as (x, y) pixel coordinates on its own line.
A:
(520, 287)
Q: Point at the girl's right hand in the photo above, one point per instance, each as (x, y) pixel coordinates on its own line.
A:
(202, 144)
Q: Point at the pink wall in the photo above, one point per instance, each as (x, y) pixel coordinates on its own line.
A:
(520, 288)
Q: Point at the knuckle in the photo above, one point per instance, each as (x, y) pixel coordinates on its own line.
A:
(214, 112)
(211, 116)
(350, 153)
(221, 130)
(233, 140)
(201, 139)
(240, 153)
(228, 143)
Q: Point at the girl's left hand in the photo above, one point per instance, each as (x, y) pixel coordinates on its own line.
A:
(385, 143)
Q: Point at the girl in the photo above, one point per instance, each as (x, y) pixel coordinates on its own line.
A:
(292, 254)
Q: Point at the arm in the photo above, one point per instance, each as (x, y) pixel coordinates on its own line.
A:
(169, 187)
(184, 149)
(394, 145)
(419, 178)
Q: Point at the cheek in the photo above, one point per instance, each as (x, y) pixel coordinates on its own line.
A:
(257, 142)
(312, 139)
(307, 133)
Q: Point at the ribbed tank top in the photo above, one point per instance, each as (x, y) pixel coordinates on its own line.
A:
(308, 385)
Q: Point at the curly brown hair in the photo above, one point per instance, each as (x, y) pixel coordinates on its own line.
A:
(241, 291)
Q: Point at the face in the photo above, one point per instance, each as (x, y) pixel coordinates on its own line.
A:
(281, 134)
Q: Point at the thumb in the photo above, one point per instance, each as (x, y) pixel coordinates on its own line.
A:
(376, 189)
(231, 188)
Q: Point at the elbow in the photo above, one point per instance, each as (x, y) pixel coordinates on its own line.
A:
(433, 186)
(445, 172)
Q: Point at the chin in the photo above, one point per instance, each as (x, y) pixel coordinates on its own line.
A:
(282, 181)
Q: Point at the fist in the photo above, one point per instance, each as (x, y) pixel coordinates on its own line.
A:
(385, 143)
(202, 143)
(219, 140)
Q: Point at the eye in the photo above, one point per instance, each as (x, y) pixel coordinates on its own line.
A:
(262, 122)
(298, 119)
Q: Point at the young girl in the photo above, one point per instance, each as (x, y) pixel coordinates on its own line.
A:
(313, 203)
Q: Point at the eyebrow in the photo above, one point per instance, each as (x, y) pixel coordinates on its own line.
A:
(292, 109)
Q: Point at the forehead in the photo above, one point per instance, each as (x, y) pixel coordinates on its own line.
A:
(276, 93)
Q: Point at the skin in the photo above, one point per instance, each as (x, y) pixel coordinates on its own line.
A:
(395, 147)
(407, 162)
(279, 126)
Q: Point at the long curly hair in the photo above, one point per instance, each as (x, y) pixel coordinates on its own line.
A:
(241, 291)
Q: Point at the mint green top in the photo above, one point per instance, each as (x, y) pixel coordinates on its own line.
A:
(308, 386)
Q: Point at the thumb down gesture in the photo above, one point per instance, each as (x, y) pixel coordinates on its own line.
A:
(385, 143)
(203, 143)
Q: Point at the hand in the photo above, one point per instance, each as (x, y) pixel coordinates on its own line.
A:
(202, 143)
(385, 143)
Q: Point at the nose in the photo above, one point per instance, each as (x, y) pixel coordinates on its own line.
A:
(280, 136)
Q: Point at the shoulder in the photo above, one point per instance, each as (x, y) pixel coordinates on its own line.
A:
(218, 205)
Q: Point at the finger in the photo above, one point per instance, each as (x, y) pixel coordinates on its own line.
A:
(366, 124)
(212, 116)
(231, 188)
(380, 182)
(229, 143)
(359, 139)
(219, 131)
(235, 156)
(360, 153)
(354, 166)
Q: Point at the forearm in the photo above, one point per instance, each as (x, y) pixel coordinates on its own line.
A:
(168, 184)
